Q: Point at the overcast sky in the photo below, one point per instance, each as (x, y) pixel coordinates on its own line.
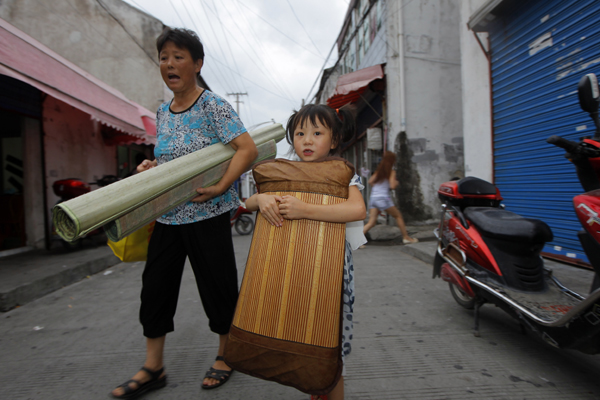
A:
(273, 50)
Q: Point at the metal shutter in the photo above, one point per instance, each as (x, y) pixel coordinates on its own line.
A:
(540, 50)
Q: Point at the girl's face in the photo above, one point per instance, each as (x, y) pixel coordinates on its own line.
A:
(177, 68)
(313, 143)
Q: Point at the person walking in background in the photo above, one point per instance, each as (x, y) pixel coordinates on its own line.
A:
(196, 118)
(381, 182)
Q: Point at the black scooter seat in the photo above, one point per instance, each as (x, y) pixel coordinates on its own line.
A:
(472, 185)
(506, 225)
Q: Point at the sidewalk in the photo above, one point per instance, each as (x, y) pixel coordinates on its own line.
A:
(28, 276)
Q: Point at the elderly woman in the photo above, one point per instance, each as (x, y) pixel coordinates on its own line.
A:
(194, 119)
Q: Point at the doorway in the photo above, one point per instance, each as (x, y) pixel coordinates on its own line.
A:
(12, 205)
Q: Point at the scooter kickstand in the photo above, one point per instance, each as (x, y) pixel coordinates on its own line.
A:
(476, 316)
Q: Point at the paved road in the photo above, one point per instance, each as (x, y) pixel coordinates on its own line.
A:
(411, 342)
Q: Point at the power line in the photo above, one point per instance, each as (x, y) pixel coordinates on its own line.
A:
(252, 82)
(221, 74)
(216, 12)
(271, 25)
(253, 59)
(216, 39)
(302, 25)
(283, 86)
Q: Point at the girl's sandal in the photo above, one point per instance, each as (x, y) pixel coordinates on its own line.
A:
(155, 382)
(220, 375)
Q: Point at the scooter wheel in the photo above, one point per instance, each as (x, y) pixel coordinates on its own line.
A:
(463, 299)
(244, 225)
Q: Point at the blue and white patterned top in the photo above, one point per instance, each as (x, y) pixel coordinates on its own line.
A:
(210, 120)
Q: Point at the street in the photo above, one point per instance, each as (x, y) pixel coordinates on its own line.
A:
(411, 341)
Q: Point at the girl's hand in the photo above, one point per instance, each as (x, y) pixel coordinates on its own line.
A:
(268, 205)
(292, 207)
(146, 165)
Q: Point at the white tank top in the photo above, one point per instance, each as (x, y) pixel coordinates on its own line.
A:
(381, 189)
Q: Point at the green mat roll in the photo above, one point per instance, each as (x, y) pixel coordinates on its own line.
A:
(130, 222)
(76, 217)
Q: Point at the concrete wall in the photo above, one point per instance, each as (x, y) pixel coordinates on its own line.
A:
(32, 182)
(74, 147)
(477, 107)
(118, 50)
(424, 100)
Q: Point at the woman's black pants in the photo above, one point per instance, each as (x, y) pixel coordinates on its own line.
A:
(209, 246)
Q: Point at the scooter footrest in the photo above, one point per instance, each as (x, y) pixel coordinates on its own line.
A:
(548, 306)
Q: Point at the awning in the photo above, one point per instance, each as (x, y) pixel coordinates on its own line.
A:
(351, 86)
(26, 59)
(484, 15)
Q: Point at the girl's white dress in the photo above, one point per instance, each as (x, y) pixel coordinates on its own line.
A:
(354, 239)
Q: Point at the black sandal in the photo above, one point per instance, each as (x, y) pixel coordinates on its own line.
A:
(220, 375)
(155, 382)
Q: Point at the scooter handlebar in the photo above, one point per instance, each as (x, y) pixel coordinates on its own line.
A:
(568, 145)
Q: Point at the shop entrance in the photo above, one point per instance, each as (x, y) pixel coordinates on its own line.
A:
(12, 206)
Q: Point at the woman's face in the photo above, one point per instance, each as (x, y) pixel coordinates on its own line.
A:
(178, 69)
(312, 143)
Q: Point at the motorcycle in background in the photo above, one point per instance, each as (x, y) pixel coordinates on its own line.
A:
(244, 225)
(488, 254)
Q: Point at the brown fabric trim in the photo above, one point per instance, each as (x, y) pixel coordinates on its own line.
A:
(310, 369)
(306, 187)
(285, 345)
(330, 176)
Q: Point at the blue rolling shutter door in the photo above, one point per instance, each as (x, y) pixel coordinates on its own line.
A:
(540, 50)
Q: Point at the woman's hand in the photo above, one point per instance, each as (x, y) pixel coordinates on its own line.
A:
(146, 165)
(268, 205)
(292, 207)
(207, 193)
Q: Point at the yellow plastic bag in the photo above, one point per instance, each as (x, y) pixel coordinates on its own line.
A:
(135, 246)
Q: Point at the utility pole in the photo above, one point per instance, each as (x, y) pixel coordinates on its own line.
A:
(237, 100)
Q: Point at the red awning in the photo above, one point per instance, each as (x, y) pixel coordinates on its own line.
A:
(350, 86)
(26, 59)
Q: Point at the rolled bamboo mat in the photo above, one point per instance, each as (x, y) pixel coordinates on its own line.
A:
(130, 222)
(76, 217)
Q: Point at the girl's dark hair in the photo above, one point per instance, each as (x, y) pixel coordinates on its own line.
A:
(340, 121)
(385, 166)
(182, 38)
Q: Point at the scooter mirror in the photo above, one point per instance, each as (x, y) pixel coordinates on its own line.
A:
(589, 94)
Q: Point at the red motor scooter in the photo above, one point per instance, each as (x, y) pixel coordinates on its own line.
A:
(490, 255)
(241, 221)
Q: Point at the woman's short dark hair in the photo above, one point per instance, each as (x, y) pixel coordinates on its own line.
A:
(182, 38)
(340, 121)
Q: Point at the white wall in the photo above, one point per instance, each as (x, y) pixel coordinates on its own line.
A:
(477, 112)
(424, 99)
(32, 182)
(85, 34)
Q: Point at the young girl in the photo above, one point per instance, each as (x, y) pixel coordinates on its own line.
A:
(316, 132)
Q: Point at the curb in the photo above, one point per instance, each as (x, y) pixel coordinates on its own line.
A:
(421, 251)
(43, 286)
